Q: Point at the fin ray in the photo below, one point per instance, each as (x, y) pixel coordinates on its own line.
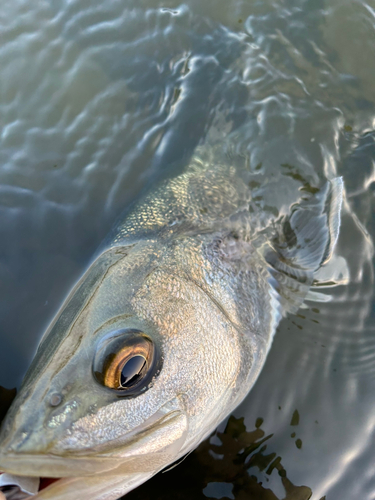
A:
(306, 243)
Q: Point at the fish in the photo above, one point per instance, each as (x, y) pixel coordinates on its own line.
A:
(164, 334)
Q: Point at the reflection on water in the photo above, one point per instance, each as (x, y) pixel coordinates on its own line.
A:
(233, 464)
(100, 99)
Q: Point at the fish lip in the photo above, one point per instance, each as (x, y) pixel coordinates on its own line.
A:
(53, 466)
(113, 457)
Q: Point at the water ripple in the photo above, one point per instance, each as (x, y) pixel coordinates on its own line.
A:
(100, 99)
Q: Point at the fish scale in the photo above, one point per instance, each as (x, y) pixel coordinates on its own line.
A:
(187, 269)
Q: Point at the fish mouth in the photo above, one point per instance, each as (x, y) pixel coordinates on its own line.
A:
(22, 487)
(84, 488)
(149, 446)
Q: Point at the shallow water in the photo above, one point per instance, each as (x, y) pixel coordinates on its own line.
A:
(100, 99)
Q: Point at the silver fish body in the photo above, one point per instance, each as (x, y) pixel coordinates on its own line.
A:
(187, 272)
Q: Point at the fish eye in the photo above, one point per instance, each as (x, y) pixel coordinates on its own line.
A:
(126, 361)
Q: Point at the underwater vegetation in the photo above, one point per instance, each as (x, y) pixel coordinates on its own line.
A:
(229, 461)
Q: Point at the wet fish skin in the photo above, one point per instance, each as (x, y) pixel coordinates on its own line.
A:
(184, 268)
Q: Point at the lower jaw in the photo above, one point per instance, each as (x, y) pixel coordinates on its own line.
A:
(83, 488)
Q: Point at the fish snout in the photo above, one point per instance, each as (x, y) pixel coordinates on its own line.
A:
(35, 421)
(152, 445)
(37, 432)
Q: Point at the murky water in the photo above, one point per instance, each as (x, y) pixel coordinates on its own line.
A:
(98, 100)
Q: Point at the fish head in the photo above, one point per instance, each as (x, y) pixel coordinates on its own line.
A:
(137, 368)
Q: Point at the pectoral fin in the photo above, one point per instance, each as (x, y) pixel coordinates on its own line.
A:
(306, 243)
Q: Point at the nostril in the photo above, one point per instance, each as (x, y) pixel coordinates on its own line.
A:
(55, 399)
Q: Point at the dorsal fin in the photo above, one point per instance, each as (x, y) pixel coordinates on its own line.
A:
(306, 243)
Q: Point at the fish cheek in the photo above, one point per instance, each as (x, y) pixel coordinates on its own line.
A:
(202, 353)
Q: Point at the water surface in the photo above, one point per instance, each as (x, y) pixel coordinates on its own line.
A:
(98, 100)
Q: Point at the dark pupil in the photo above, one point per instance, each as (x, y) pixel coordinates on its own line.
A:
(132, 371)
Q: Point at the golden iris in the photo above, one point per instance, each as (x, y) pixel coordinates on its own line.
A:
(125, 361)
(125, 368)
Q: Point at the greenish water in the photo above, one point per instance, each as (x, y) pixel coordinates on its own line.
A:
(98, 100)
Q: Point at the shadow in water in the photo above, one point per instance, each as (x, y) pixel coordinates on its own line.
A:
(6, 398)
(224, 466)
